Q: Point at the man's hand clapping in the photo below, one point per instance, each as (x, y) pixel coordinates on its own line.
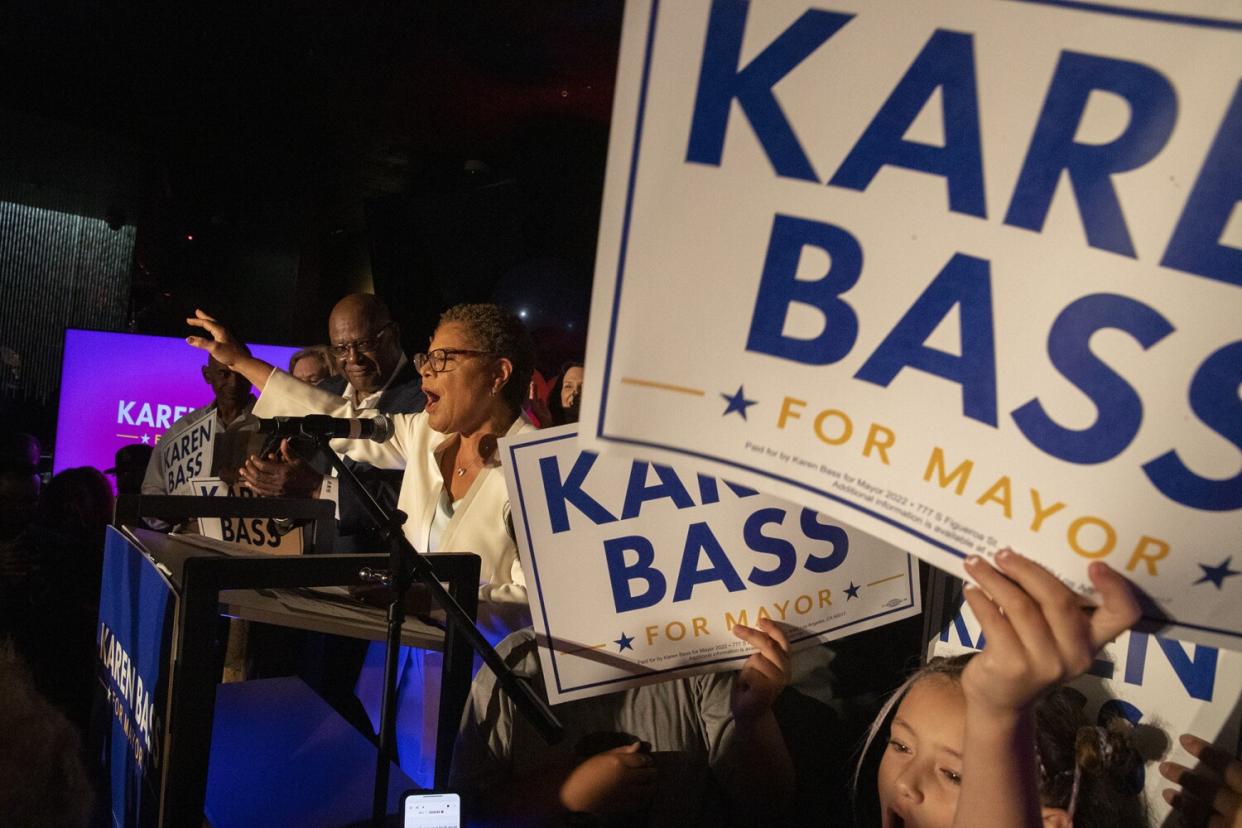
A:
(279, 475)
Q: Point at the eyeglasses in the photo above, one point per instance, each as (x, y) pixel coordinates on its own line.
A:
(439, 359)
(361, 346)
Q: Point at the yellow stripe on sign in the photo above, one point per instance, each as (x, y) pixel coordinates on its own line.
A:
(886, 580)
(581, 649)
(662, 386)
(128, 436)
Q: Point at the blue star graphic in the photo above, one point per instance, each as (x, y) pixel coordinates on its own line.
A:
(851, 591)
(737, 402)
(625, 642)
(146, 439)
(1217, 574)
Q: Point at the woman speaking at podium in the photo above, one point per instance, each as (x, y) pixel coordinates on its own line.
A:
(475, 374)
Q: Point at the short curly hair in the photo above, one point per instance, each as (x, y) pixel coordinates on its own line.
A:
(500, 332)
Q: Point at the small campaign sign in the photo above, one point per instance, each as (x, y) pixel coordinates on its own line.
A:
(189, 453)
(263, 534)
(962, 275)
(1159, 683)
(637, 572)
(134, 637)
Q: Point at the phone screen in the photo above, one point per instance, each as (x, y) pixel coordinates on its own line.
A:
(432, 810)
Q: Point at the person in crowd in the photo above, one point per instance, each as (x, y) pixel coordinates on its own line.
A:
(19, 482)
(987, 739)
(43, 783)
(314, 364)
(376, 376)
(704, 750)
(233, 406)
(50, 578)
(566, 394)
(130, 468)
(1211, 793)
(475, 374)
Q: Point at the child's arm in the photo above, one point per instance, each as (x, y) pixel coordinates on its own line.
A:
(1210, 794)
(1037, 637)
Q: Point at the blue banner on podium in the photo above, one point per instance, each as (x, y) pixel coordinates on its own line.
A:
(134, 637)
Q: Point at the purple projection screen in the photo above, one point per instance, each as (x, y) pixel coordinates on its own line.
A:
(119, 388)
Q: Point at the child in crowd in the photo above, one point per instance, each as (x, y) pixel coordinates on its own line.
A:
(989, 739)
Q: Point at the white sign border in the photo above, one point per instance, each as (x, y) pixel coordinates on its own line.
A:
(613, 250)
(913, 602)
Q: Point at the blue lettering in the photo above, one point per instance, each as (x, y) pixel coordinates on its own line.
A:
(699, 539)
(784, 552)
(963, 635)
(1153, 112)
(637, 492)
(1120, 410)
(621, 574)
(709, 491)
(1195, 246)
(569, 491)
(1214, 398)
(779, 287)
(721, 83)
(964, 282)
(947, 63)
(813, 529)
(1197, 674)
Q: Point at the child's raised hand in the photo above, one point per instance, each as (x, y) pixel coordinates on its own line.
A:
(617, 781)
(1038, 634)
(765, 673)
(1211, 794)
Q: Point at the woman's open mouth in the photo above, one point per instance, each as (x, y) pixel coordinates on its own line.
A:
(432, 399)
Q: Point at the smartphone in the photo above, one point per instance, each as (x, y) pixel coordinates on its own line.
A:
(423, 809)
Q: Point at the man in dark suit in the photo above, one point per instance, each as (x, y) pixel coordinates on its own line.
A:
(375, 375)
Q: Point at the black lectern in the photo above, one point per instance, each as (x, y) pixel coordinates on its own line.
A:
(199, 570)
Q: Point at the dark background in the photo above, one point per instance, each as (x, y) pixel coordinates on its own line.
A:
(273, 156)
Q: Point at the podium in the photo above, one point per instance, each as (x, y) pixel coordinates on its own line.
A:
(162, 596)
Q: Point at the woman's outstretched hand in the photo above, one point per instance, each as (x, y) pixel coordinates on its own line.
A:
(1037, 631)
(223, 347)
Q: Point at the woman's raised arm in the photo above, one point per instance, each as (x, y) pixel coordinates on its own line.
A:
(228, 351)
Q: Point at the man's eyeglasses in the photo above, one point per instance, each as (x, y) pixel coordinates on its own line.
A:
(361, 346)
(439, 359)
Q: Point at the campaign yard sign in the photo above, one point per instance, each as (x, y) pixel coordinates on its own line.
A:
(191, 454)
(262, 534)
(136, 608)
(637, 572)
(963, 275)
(1155, 682)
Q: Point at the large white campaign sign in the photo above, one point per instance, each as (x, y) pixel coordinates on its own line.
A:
(1170, 686)
(963, 275)
(637, 572)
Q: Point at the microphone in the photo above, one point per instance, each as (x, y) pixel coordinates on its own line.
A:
(378, 429)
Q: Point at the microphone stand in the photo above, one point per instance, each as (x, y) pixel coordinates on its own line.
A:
(405, 566)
